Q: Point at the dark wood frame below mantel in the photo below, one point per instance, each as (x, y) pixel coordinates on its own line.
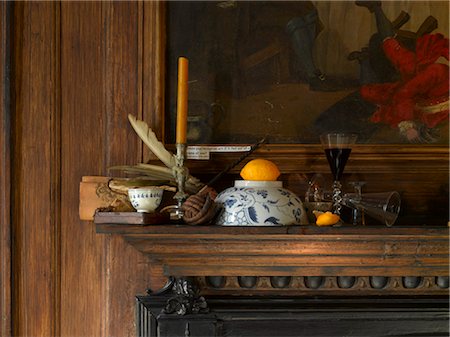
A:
(234, 316)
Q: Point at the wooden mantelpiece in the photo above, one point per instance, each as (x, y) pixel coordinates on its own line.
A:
(210, 266)
(257, 281)
(291, 251)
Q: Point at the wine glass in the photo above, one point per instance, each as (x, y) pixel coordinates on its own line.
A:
(382, 206)
(357, 214)
(337, 148)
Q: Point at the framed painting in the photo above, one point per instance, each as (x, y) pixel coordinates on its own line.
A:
(293, 70)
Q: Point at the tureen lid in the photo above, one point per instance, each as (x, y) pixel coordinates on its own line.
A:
(257, 183)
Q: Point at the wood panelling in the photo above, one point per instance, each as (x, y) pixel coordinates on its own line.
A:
(128, 270)
(83, 121)
(35, 172)
(78, 73)
(79, 69)
(5, 169)
(153, 69)
(101, 75)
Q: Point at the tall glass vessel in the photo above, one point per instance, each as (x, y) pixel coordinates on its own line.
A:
(337, 148)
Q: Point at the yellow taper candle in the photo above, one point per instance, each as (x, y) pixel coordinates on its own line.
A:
(182, 100)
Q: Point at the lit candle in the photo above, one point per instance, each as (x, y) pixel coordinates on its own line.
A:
(182, 100)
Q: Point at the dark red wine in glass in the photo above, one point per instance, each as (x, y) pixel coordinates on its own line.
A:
(337, 158)
(337, 148)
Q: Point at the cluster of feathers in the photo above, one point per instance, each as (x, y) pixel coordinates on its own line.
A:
(199, 208)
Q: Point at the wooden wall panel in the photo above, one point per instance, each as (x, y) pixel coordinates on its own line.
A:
(129, 272)
(35, 169)
(122, 80)
(80, 68)
(101, 76)
(5, 169)
(153, 70)
(72, 101)
(83, 268)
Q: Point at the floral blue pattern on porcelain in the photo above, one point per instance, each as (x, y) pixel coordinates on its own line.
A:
(259, 203)
(145, 199)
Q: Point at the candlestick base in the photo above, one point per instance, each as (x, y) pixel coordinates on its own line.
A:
(181, 174)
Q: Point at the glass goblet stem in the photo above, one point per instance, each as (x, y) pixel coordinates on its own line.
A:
(337, 197)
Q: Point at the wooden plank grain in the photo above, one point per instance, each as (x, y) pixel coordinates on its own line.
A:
(300, 246)
(356, 261)
(153, 70)
(5, 168)
(36, 175)
(83, 271)
(124, 23)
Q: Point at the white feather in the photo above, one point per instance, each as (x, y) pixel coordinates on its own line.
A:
(149, 138)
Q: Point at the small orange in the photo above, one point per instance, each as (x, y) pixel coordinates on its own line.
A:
(327, 219)
(260, 169)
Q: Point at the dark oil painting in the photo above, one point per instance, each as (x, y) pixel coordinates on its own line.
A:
(293, 70)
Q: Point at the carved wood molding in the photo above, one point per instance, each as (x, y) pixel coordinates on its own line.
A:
(324, 286)
(298, 252)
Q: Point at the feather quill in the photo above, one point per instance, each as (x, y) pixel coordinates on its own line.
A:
(149, 138)
(193, 185)
(152, 171)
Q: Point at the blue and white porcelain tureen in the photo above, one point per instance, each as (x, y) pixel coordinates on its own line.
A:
(259, 203)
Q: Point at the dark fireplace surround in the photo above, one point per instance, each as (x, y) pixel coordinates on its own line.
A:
(295, 281)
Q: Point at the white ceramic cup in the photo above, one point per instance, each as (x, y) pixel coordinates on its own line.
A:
(145, 199)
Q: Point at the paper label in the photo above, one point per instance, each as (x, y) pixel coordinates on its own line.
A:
(200, 152)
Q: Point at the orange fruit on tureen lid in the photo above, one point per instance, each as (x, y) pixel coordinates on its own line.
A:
(260, 169)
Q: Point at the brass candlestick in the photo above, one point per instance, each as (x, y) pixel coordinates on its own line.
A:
(181, 174)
